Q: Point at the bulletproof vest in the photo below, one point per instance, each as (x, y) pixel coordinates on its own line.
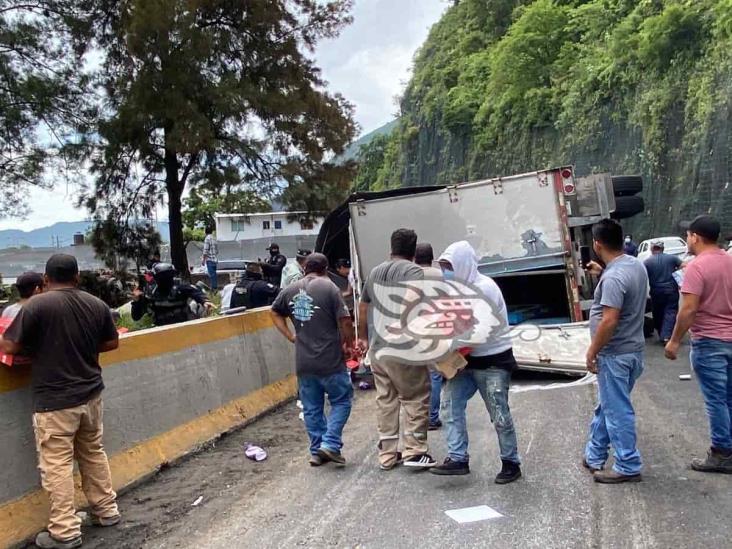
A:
(250, 294)
(170, 309)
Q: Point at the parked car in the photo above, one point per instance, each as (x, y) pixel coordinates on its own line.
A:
(673, 245)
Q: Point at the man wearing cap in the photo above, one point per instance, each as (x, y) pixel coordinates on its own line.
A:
(664, 290)
(28, 285)
(706, 310)
(250, 291)
(294, 271)
(323, 331)
(272, 268)
(63, 330)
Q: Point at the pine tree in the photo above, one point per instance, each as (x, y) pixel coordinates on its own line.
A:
(210, 92)
(43, 100)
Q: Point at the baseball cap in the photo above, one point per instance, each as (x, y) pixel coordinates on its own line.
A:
(302, 253)
(705, 226)
(273, 246)
(316, 263)
(658, 244)
(345, 263)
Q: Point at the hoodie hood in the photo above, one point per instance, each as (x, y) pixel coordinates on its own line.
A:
(464, 260)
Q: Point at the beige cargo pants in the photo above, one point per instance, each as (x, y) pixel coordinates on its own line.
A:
(401, 386)
(61, 437)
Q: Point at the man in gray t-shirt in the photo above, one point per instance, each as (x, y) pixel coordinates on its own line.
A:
(397, 385)
(323, 331)
(615, 355)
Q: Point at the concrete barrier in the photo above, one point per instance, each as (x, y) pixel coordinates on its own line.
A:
(167, 391)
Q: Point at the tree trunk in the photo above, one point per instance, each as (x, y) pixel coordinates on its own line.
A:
(174, 188)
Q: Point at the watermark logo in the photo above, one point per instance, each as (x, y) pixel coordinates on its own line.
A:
(422, 321)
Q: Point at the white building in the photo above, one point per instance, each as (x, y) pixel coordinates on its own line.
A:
(242, 227)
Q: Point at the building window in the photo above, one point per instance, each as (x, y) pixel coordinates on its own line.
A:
(278, 223)
(238, 225)
(306, 225)
(265, 225)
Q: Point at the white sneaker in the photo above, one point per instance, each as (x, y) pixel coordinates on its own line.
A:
(424, 461)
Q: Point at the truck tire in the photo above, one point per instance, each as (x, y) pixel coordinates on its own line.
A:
(628, 206)
(627, 185)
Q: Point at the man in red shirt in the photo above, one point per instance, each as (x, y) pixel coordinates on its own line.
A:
(706, 310)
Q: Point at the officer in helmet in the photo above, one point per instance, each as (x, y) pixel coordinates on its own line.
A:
(251, 291)
(169, 302)
(272, 267)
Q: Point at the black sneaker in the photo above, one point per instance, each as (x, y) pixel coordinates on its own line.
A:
(509, 472)
(315, 460)
(422, 461)
(434, 426)
(450, 467)
(329, 455)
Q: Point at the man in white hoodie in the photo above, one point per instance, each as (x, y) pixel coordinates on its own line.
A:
(488, 371)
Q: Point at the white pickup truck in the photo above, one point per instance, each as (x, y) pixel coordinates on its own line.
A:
(528, 231)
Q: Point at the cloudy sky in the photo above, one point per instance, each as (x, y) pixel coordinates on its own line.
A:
(368, 63)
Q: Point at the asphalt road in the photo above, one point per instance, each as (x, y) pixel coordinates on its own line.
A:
(283, 502)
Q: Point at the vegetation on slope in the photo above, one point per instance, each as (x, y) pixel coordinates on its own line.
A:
(635, 86)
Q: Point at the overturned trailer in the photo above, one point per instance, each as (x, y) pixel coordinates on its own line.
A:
(528, 231)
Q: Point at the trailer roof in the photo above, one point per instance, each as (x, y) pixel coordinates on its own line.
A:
(333, 235)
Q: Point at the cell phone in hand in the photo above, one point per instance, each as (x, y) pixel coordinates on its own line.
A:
(585, 256)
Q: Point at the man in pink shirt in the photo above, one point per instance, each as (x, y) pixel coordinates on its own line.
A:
(706, 310)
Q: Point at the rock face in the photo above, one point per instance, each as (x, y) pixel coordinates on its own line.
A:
(505, 86)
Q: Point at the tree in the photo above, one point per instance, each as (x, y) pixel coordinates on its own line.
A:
(42, 93)
(116, 245)
(203, 203)
(210, 91)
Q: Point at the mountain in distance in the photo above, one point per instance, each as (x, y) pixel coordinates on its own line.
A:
(61, 234)
(353, 149)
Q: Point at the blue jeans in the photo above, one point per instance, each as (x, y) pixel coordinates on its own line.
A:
(712, 362)
(614, 419)
(436, 380)
(211, 269)
(665, 306)
(326, 433)
(493, 385)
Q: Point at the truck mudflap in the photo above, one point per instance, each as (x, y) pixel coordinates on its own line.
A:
(554, 348)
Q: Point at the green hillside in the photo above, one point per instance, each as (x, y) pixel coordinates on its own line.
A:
(628, 86)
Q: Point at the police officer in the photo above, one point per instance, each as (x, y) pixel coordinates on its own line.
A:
(272, 268)
(170, 300)
(251, 291)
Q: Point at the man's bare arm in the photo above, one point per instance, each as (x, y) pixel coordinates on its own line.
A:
(10, 347)
(345, 325)
(603, 335)
(363, 326)
(684, 319)
(110, 345)
(280, 323)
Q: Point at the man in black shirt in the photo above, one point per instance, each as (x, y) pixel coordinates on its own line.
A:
(272, 268)
(63, 330)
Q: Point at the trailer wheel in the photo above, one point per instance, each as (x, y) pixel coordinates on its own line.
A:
(627, 185)
(628, 206)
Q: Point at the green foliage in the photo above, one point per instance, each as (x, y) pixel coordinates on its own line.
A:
(635, 86)
(203, 203)
(216, 93)
(42, 100)
(116, 245)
